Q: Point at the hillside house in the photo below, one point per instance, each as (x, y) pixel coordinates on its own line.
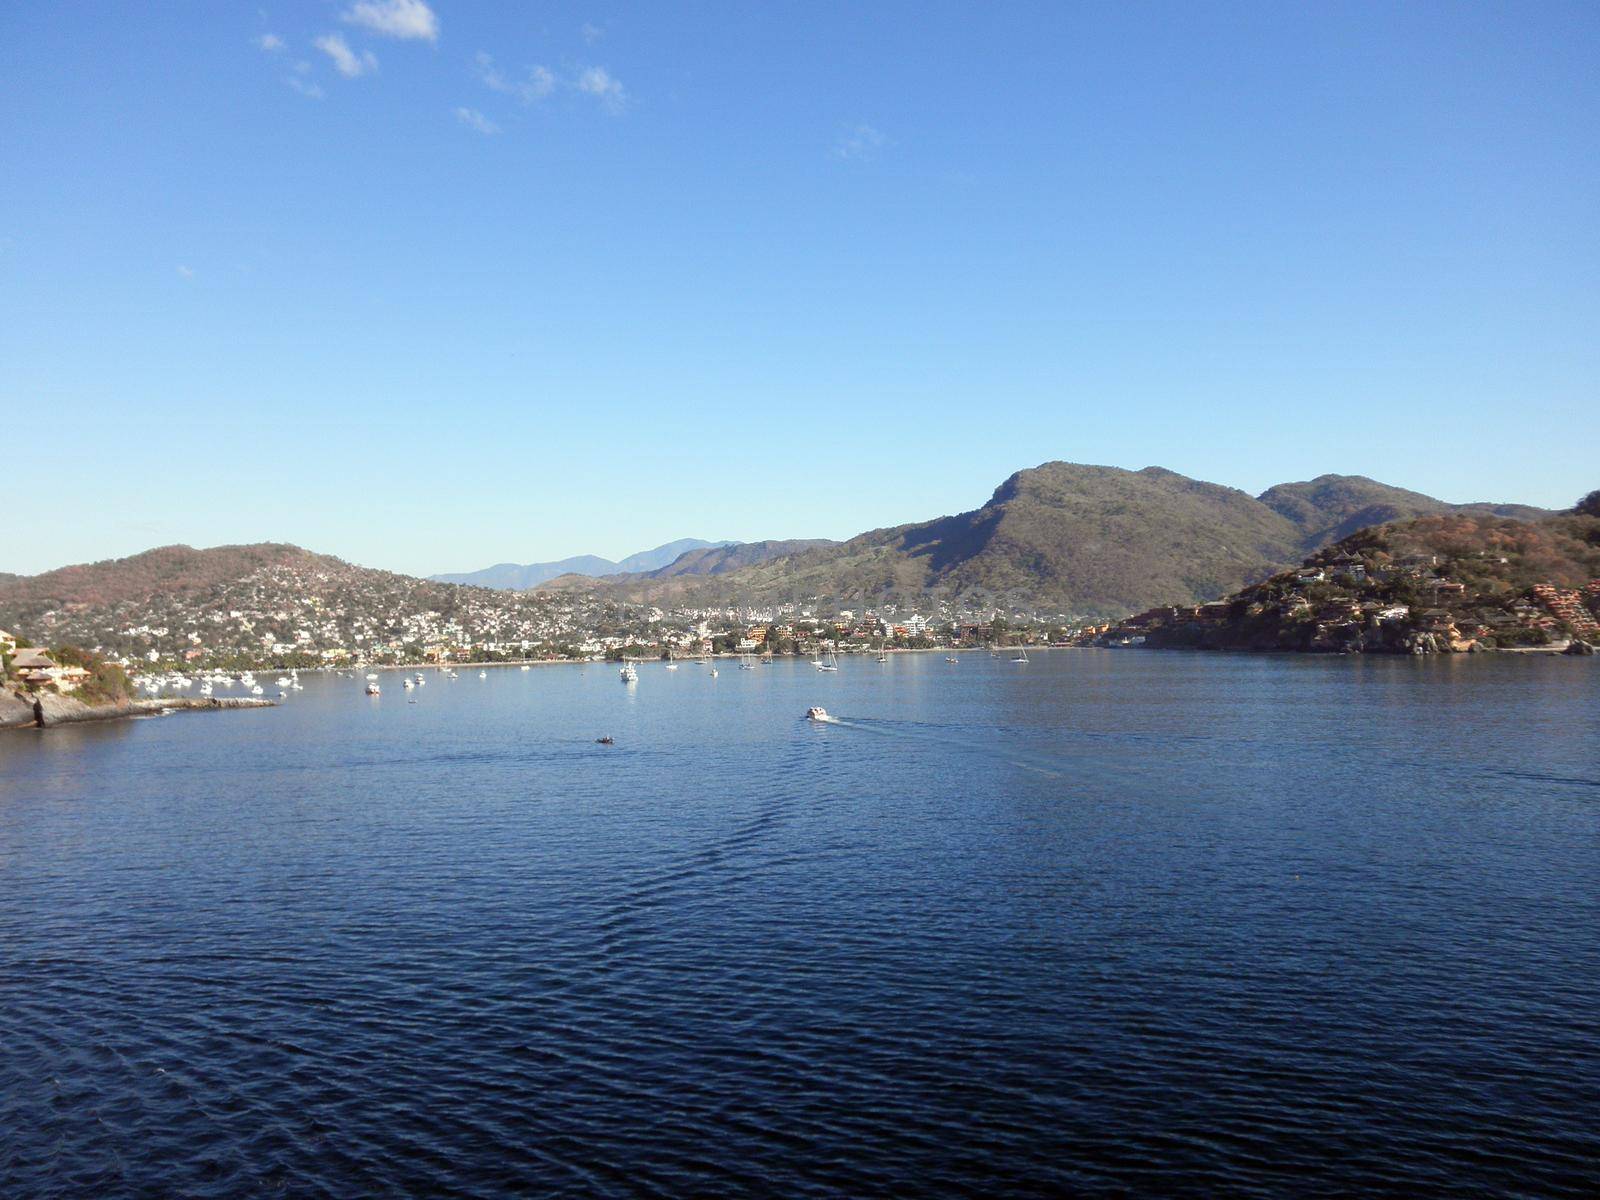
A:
(37, 669)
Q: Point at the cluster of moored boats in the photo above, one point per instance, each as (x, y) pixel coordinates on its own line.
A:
(208, 682)
(409, 682)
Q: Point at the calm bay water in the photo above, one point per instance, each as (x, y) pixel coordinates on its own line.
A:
(1109, 923)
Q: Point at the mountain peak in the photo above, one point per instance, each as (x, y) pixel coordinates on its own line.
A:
(518, 577)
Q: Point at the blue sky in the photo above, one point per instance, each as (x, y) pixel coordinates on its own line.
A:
(430, 286)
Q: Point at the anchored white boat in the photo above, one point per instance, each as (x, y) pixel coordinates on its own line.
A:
(629, 675)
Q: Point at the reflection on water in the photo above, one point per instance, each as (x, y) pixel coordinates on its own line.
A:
(1115, 923)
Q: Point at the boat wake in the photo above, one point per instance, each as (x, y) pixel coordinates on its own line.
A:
(1039, 763)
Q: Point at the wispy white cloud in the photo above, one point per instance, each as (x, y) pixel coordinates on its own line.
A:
(538, 83)
(860, 142)
(185, 272)
(406, 19)
(345, 60)
(309, 90)
(591, 32)
(270, 42)
(475, 120)
(603, 86)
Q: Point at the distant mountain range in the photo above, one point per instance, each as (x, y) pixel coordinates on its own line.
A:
(1058, 538)
(711, 560)
(1064, 537)
(519, 577)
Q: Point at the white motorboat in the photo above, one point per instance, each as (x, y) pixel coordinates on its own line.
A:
(373, 689)
(629, 675)
(817, 713)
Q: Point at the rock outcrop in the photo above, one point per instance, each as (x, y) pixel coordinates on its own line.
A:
(16, 710)
(48, 709)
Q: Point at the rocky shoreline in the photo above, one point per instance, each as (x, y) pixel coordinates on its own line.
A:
(44, 711)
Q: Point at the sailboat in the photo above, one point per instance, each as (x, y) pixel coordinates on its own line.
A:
(1021, 656)
(746, 663)
(831, 663)
(883, 651)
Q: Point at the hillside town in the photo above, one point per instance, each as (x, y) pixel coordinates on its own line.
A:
(322, 613)
(1451, 582)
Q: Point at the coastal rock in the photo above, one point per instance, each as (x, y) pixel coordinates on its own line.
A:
(194, 703)
(52, 709)
(16, 711)
(49, 709)
(1578, 647)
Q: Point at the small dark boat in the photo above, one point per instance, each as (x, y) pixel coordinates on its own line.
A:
(608, 740)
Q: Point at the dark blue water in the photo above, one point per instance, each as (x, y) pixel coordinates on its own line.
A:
(1108, 924)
